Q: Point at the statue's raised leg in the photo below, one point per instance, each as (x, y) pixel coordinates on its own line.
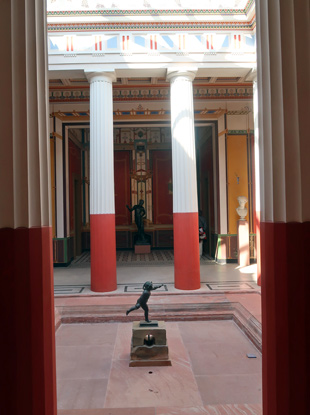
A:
(135, 307)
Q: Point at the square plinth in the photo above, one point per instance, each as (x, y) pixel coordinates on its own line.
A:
(145, 363)
(152, 323)
(140, 332)
(143, 249)
(144, 353)
(153, 352)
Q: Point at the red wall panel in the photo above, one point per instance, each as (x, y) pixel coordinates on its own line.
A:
(206, 171)
(122, 187)
(162, 186)
(74, 171)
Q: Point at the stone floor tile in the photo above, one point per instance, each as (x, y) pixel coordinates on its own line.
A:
(197, 410)
(83, 362)
(122, 342)
(234, 409)
(151, 386)
(237, 409)
(230, 409)
(230, 389)
(81, 393)
(108, 411)
(129, 411)
(218, 348)
(242, 409)
(86, 334)
(177, 351)
(80, 412)
(217, 358)
(202, 331)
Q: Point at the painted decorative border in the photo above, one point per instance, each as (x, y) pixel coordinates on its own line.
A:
(156, 94)
(222, 92)
(152, 12)
(239, 132)
(138, 26)
(138, 113)
(248, 6)
(243, 111)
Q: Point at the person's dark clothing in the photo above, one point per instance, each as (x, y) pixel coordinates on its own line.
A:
(202, 223)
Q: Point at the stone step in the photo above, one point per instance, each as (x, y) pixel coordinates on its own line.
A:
(225, 409)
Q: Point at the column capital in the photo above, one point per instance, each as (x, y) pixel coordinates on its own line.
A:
(97, 76)
(188, 73)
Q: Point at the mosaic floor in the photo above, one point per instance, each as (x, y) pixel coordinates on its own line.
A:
(128, 258)
(169, 287)
(134, 270)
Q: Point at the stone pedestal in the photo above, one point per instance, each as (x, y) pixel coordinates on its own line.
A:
(143, 249)
(149, 344)
(243, 243)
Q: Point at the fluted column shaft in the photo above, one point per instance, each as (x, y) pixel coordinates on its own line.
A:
(28, 330)
(257, 182)
(102, 210)
(284, 101)
(185, 207)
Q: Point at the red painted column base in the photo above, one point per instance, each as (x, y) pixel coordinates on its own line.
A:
(28, 326)
(186, 251)
(103, 252)
(285, 318)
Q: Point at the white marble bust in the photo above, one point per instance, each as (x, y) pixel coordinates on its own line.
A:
(241, 209)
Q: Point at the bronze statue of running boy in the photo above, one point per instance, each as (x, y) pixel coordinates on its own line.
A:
(141, 302)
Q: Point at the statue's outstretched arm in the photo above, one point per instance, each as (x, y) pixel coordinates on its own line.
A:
(157, 286)
(129, 208)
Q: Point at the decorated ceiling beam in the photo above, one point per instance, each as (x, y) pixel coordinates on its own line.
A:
(152, 26)
(153, 93)
(139, 114)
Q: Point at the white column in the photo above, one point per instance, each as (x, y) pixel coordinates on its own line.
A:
(66, 183)
(257, 181)
(185, 206)
(28, 328)
(283, 61)
(183, 142)
(102, 210)
(101, 143)
(222, 174)
(60, 231)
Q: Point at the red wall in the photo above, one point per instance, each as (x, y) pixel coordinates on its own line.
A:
(162, 198)
(122, 187)
(206, 171)
(74, 172)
